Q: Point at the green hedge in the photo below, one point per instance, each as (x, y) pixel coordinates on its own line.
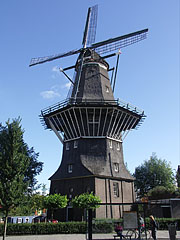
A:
(44, 228)
(99, 226)
(164, 222)
(102, 227)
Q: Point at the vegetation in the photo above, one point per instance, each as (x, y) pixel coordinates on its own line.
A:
(102, 226)
(178, 177)
(161, 192)
(18, 167)
(54, 202)
(152, 173)
(86, 201)
(45, 228)
(32, 202)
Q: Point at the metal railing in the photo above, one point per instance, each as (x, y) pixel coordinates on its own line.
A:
(91, 102)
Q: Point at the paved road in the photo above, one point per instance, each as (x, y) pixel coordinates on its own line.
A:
(161, 235)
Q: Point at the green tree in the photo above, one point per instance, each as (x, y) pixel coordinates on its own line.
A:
(161, 192)
(36, 202)
(54, 202)
(86, 201)
(29, 205)
(44, 189)
(178, 177)
(15, 163)
(35, 167)
(153, 172)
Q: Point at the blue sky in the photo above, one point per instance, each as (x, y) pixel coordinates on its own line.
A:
(148, 74)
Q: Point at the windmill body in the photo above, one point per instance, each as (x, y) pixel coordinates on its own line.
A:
(91, 124)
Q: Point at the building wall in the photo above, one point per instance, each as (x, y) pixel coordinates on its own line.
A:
(104, 188)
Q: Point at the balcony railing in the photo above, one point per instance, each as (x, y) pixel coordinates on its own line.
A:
(90, 102)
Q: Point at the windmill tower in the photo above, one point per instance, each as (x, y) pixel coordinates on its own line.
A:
(91, 124)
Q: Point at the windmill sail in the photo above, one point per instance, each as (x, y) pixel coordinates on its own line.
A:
(90, 27)
(39, 60)
(119, 42)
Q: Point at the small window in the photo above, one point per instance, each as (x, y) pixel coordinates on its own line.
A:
(118, 146)
(116, 167)
(88, 189)
(107, 89)
(110, 143)
(75, 143)
(116, 189)
(67, 145)
(55, 190)
(71, 189)
(70, 168)
(70, 192)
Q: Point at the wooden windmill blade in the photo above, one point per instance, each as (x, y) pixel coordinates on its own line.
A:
(90, 27)
(113, 44)
(39, 60)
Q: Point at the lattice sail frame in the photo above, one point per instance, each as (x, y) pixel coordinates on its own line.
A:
(112, 119)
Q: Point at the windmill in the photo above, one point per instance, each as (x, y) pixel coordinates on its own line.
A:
(92, 125)
(88, 44)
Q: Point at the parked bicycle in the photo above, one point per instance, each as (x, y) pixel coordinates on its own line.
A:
(134, 233)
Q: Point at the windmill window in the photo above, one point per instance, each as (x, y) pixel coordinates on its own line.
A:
(71, 189)
(110, 144)
(118, 146)
(116, 167)
(55, 190)
(67, 146)
(70, 168)
(107, 89)
(88, 189)
(116, 189)
(75, 143)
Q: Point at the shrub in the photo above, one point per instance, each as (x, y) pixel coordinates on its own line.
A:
(164, 222)
(99, 226)
(44, 228)
(102, 227)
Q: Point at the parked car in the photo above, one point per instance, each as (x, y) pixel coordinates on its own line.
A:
(39, 219)
(54, 221)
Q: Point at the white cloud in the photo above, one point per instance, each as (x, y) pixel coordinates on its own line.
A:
(56, 72)
(67, 85)
(55, 69)
(49, 94)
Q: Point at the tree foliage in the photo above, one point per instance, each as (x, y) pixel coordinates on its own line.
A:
(86, 201)
(16, 163)
(34, 169)
(178, 177)
(161, 192)
(153, 172)
(54, 202)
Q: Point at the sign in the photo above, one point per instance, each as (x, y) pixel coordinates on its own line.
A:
(130, 220)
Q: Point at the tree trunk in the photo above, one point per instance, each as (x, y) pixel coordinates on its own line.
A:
(52, 213)
(5, 225)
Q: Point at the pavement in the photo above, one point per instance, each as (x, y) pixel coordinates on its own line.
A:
(161, 235)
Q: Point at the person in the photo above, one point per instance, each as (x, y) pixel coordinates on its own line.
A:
(118, 229)
(153, 226)
(141, 224)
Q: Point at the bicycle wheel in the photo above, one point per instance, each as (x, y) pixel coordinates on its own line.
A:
(148, 234)
(144, 234)
(132, 233)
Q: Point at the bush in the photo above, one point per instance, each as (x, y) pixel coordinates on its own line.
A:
(102, 227)
(164, 222)
(99, 226)
(44, 228)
